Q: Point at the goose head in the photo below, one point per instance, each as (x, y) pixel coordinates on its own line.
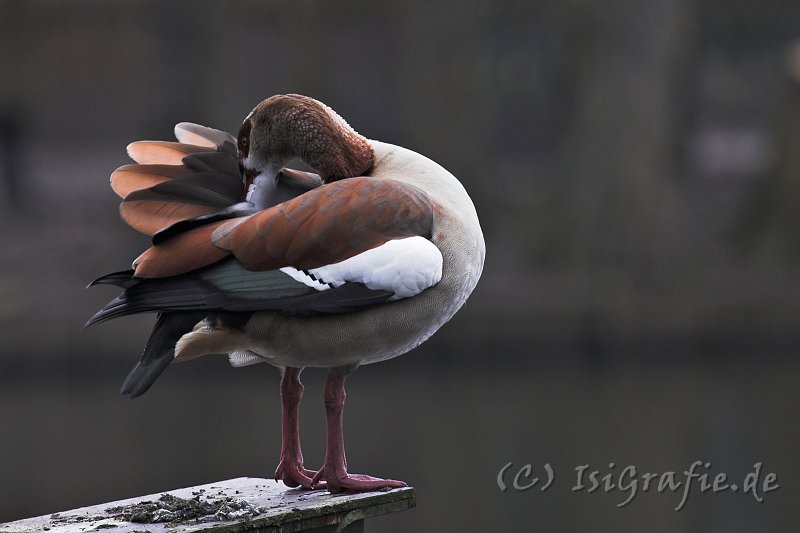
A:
(283, 127)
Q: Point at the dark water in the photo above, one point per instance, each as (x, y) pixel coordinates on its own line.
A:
(72, 441)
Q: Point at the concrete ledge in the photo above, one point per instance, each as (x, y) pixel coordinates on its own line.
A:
(235, 505)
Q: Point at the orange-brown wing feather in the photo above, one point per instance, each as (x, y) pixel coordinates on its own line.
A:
(328, 224)
(189, 133)
(129, 178)
(162, 152)
(150, 215)
(185, 252)
(174, 182)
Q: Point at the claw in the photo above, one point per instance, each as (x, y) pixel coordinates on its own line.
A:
(294, 475)
(352, 482)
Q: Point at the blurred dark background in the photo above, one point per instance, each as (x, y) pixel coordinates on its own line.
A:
(636, 168)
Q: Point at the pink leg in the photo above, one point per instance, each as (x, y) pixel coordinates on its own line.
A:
(290, 470)
(334, 471)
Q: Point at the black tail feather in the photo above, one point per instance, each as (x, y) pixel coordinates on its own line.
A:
(159, 350)
(122, 279)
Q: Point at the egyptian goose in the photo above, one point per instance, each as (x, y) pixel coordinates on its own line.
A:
(356, 264)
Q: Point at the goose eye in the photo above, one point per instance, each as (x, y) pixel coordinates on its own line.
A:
(244, 145)
(244, 138)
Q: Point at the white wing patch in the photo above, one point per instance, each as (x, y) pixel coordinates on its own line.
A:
(405, 267)
(241, 358)
(303, 277)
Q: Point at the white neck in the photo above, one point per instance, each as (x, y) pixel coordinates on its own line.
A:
(402, 164)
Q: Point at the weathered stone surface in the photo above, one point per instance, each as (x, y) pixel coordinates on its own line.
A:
(235, 505)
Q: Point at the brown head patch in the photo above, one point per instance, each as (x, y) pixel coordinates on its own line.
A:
(293, 125)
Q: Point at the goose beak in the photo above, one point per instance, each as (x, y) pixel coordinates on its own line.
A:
(293, 175)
